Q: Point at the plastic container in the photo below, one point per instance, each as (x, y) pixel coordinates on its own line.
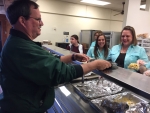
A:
(66, 39)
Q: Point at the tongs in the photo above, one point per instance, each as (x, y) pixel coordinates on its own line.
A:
(83, 79)
(100, 78)
(82, 84)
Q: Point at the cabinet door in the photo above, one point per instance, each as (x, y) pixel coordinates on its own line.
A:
(62, 45)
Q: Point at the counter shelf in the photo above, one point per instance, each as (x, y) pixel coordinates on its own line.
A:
(135, 82)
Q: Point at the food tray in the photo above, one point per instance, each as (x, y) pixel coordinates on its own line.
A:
(133, 101)
(94, 89)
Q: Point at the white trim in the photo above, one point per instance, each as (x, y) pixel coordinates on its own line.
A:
(80, 47)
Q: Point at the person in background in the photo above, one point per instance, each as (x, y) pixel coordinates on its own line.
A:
(74, 45)
(28, 73)
(96, 34)
(100, 50)
(127, 51)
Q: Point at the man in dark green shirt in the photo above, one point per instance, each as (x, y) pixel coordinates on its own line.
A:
(29, 73)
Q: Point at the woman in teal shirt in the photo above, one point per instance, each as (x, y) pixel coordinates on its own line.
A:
(100, 51)
(128, 51)
(96, 34)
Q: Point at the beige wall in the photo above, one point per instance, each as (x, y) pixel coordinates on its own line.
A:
(73, 18)
(137, 18)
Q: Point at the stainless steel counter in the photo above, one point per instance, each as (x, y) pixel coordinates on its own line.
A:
(133, 81)
(131, 78)
(58, 50)
(73, 102)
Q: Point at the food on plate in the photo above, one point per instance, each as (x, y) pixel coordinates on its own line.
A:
(134, 66)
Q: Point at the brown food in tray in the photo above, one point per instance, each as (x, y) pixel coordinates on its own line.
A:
(114, 107)
(119, 101)
(127, 100)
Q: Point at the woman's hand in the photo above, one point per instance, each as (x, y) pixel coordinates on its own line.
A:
(147, 73)
(141, 62)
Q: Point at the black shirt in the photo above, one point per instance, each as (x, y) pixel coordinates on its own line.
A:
(120, 60)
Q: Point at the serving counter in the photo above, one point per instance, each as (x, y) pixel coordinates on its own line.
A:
(135, 82)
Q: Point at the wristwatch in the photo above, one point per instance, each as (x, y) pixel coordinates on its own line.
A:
(73, 57)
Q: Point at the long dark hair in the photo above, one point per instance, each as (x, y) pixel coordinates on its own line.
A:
(97, 47)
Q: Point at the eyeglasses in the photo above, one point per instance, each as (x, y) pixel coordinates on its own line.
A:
(37, 19)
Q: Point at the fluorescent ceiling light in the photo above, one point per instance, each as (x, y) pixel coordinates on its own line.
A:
(96, 2)
(64, 90)
(142, 6)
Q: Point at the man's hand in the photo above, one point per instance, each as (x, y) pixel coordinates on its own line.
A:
(81, 57)
(102, 64)
(75, 56)
(96, 64)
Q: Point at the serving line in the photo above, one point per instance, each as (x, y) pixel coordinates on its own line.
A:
(128, 79)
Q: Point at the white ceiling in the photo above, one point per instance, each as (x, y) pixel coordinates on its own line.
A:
(115, 4)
